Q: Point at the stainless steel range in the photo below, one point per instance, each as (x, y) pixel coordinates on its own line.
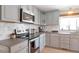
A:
(34, 44)
(33, 40)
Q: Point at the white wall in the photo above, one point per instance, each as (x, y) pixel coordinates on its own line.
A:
(7, 28)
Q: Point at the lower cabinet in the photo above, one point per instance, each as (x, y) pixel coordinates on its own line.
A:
(74, 44)
(42, 41)
(64, 41)
(64, 44)
(54, 40)
(47, 37)
(21, 47)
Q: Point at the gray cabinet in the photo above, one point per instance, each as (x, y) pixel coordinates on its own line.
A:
(74, 42)
(47, 39)
(42, 18)
(10, 13)
(64, 41)
(36, 14)
(58, 41)
(21, 47)
(52, 17)
(42, 41)
(54, 41)
(14, 46)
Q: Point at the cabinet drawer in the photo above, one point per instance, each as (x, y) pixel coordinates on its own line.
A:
(65, 40)
(19, 46)
(65, 35)
(74, 44)
(54, 35)
(74, 36)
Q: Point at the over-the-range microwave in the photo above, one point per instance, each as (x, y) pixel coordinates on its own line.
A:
(25, 17)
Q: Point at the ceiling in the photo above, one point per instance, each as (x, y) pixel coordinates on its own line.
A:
(46, 8)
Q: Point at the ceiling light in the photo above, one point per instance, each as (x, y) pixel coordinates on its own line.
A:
(70, 12)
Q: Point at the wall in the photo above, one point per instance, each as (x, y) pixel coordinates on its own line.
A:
(7, 28)
(50, 28)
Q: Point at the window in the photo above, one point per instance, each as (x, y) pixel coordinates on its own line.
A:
(69, 22)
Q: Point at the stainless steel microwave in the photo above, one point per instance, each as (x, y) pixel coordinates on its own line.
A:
(25, 17)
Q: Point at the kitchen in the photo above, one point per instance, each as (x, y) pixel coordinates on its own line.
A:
(39, 29)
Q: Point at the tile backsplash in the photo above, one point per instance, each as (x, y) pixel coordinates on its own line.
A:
(7, 28)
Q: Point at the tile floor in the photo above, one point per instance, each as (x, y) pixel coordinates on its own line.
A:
(54, 50)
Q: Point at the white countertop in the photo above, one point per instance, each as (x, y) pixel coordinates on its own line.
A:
(64, 32)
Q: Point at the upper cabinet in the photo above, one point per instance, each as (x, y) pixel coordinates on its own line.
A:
(12, 13)
(9, 13)
(52, 17)
(42, 18)
(36, 15)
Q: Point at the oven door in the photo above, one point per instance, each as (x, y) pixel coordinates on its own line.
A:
(34, 45)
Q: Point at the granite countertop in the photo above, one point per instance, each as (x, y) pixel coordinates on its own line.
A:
(62, 32)
(11, 42)
(35, 35)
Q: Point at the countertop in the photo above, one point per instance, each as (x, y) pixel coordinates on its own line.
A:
(11, 42)
(62, 32)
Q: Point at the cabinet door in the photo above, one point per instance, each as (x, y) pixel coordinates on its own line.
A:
(42, 42)
(18, 47)
(64, 43)
(10, 12)
(52, 17)
(74, 44)
(47, 39)
(47, 17)
(54, 41)
(42, 18)
(44, 39)
(36, 15)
